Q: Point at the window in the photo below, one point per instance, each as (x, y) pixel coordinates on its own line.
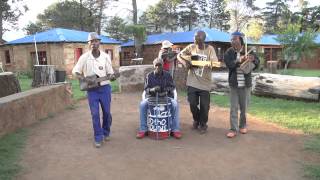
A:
(42, 57)
(110, 52)
(126, 55)
(7, 55)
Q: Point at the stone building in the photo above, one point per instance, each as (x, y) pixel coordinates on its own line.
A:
(59, 47)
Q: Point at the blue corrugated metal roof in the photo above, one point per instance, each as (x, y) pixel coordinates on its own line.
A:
(184, 37)
(60, 35)
(213, 35)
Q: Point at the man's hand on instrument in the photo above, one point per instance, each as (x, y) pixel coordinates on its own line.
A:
(162, 93)
(250, 57)
(188, 64)
(155, 89)
(112, 77)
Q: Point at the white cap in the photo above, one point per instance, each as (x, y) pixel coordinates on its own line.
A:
(166, 44)
(93, 35)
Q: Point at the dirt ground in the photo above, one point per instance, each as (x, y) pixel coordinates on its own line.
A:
(61, 148)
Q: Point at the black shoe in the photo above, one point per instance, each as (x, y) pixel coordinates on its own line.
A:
(195, 125)
(203, 129)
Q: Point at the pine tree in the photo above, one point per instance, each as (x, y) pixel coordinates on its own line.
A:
(218, 16)
(276, 14)
(192, 13)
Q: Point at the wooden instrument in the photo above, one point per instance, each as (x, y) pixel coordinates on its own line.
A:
(93, 81)
(206, 63)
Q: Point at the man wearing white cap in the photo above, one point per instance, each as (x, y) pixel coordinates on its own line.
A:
(168, 56)
(98, 63)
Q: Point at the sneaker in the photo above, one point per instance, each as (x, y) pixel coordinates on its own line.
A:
(195, 125)
(243, 130)
(177, 134)
(97, 144)
(231, 134)
(107, 138)
(140, 135)
(203, 129)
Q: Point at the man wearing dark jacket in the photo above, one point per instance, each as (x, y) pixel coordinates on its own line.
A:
(240, 83)
(159, 81)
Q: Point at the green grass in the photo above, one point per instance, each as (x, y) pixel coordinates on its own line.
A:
(312, 171)
(301, 72)
(313, 144)
(291, 114)
(25, 82)
(78, 94)
(11, 146)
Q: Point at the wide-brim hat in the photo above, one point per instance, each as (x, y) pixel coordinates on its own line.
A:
(93, 35)
(166, 44)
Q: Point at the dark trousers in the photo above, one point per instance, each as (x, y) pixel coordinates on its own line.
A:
(196, 97)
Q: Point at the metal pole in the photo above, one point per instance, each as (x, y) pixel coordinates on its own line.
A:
(35, 46)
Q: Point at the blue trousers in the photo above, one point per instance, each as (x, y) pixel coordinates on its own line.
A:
(100, 96)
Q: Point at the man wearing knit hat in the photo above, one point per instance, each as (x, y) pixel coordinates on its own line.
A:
(159, 81)
(240, 83)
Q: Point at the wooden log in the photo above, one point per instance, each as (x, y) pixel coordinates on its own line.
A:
(220, 82)
(284, 86)
(43, 75)
(9, 84)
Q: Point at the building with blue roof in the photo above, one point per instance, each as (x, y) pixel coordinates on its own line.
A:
(218, 39)
(58, 46)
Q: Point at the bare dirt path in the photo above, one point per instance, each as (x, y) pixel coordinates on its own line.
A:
(61, 148)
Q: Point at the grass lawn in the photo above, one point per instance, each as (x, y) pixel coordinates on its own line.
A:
(25, 84)
(11, 147)
(291, 114)
(301, 72)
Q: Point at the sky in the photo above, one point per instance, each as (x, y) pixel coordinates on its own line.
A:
(38, 6)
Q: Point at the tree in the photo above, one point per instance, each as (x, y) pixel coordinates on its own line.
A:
(241, 13)
(139, 34)
(116, 29)
(33, 28)
(10, 13)
(96, 8)
(276, 14)
(307, 17)
(152, 20)
(296, 45)
(134, 12)
(218, 16)
(65, 14)
(192, 13)
(161, 17)
(254, 30)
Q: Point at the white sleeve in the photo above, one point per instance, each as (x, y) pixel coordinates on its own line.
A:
(78, 68)
(109, 65)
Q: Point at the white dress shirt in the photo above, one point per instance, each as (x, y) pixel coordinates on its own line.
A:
(89, 65)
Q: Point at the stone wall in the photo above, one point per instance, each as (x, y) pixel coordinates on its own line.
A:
(23, 109)
(132, 77)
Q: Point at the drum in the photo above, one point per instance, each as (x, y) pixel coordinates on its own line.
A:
(159, 117)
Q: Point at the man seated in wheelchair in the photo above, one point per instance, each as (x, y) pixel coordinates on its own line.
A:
(160, 95)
